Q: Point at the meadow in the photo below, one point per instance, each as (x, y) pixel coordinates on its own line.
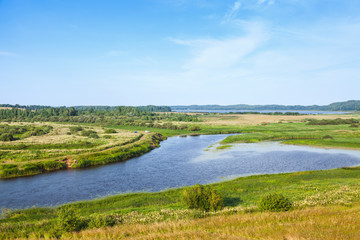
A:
(316, 195)
(326, 203)
(68, 146)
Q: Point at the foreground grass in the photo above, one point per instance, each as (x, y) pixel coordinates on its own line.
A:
(335, 222)
(338, 187)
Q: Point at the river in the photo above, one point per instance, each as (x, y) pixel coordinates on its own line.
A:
(180, 161)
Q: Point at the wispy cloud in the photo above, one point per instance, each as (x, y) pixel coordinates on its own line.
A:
(9, 54)
(232, 13)
(265, 2)
(215, 59)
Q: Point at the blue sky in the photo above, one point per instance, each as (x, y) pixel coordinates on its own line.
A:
(179, 52)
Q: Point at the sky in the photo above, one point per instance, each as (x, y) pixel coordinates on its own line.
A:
(179, 52)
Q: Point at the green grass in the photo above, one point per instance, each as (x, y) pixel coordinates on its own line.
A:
(336, 187)
(312, 188)
(223, 147)
(341, 136)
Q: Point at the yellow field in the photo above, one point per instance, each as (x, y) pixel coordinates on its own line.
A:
(332, 222)
(256, 119)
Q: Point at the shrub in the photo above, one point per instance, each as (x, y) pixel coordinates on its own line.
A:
(69, 220)
(87, 133)
(75, 129)
(202, 197)
(194, 128)
(354, 125)
(101, 220)
(93, 135)
(327, 137)
(110, 130)
(6, 137)
(275, 202)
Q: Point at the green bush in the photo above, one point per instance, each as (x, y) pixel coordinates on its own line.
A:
(194, 128)
(327, 137)
(202, 197)
(102, 220)
(75, 129)
(7, 137)
(87, 133)
(93, 135)
(69, 220)
(110, 130)
(275, 202)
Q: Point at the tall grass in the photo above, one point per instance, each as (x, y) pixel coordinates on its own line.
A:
(311, 223)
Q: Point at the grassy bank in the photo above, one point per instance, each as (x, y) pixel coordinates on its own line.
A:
(69, 146)
(339, 136)
(338, 187)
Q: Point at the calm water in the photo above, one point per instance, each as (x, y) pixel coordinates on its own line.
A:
(178, 162)
(262, 111)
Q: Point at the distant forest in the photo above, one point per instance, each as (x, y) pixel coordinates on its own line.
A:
(120, 115)
(148, 108)
(352, 105)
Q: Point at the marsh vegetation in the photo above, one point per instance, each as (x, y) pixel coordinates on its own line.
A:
(97, 136)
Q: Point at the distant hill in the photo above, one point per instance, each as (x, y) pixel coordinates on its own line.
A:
(352, 105)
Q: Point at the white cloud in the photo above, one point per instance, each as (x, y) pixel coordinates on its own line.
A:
(265, 2)
(214, 59)
(233, 11)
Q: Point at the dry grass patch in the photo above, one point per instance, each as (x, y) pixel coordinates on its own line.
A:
(312, 223)
(72, 144)
(256, 119)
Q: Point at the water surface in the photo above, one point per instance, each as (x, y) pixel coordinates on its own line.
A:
(178, 162)
(306, 112)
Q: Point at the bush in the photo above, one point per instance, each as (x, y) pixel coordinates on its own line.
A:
(194, 128)
(275, 202)
(100, 221)
(202, 197)
(327, 137)
(6, 137)
(110, 130)
(69, 220)
(93, 135)
(75, 129)
(88, 133)
(354, 125)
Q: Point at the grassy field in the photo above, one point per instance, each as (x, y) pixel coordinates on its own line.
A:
(335, 222)
(310, 192)
(92, 144)
(326, 203)
(334, 136)
(66, 146)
